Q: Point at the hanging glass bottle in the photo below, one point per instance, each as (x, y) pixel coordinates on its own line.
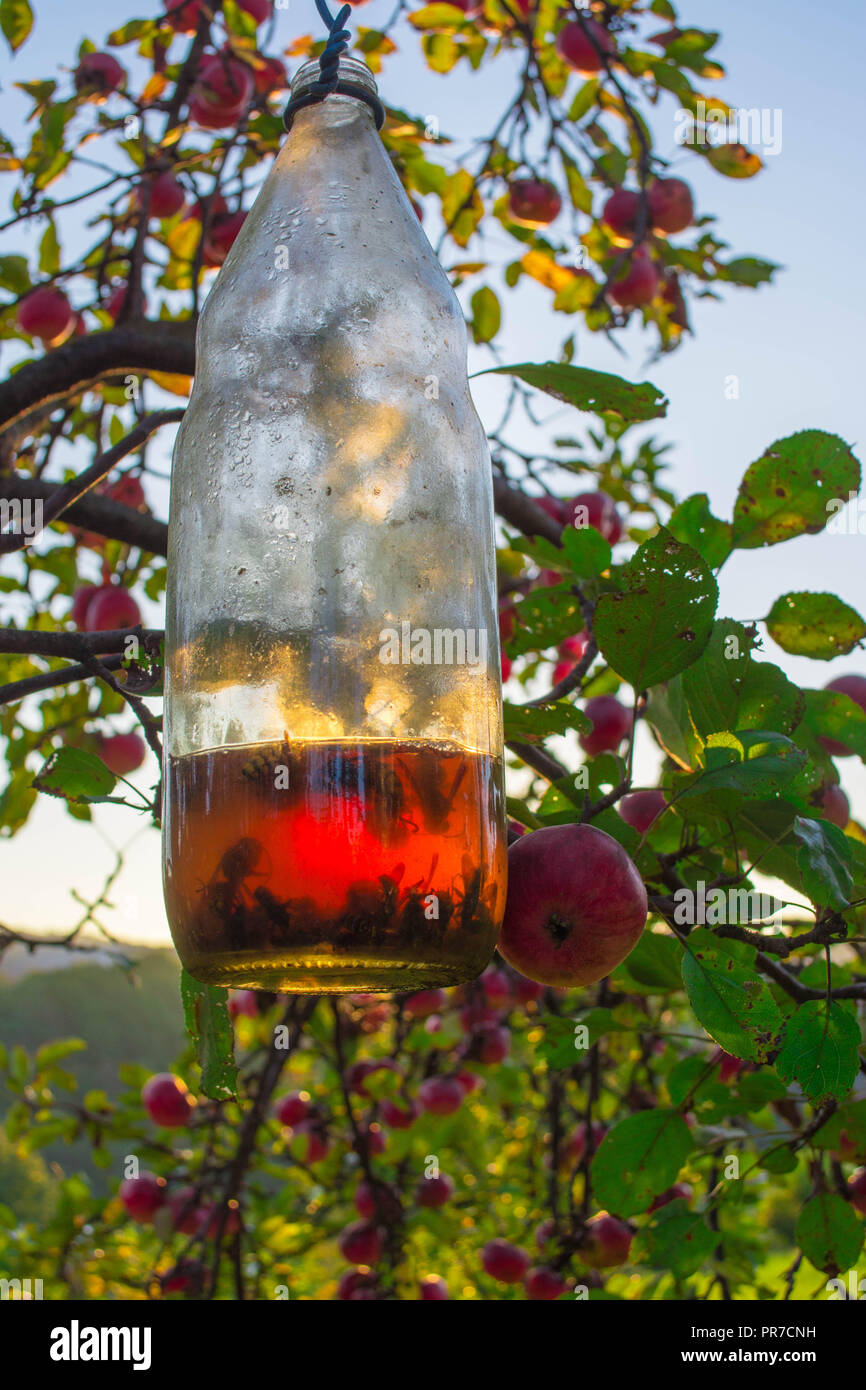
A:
(334, 814)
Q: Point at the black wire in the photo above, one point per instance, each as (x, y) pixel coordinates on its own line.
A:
(328, 81)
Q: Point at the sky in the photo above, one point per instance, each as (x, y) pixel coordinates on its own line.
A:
(795, 347)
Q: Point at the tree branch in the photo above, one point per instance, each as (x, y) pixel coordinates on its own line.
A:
(94, 513)
(137, 347)
(64, 495)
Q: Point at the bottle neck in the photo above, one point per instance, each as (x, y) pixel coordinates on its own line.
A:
(354, 87)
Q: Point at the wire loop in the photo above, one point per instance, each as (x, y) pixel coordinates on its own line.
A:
(329, 81)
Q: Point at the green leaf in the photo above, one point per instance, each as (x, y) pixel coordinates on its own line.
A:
(734, 161)
(599, 392)
(49, 251)
(546, 616)
(533, 723)
(56, 1051)
(639, 1159)
(584, 100)
(819, 1050)
(835, 715)
(661, 620)
(752, 763)
(817, 625)
(14, 274)
(786, 492)
(16, 22)
(75, 774)
(438, 15)
(824, 860)
(829, 1233)
(677, 1239)
(729, 998)
(655, 963)
(586, 550)
(208, 1023)
(746, 270)
(693, 523)
(486, 315)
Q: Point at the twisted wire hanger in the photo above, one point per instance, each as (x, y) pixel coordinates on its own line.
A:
(329, 80)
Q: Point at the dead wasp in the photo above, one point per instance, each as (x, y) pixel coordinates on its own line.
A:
(436, 803)
(266, 766)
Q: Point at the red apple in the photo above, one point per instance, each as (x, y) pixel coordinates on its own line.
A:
(397, 1116)
(166, 195)
(187, 1276)
(81, 600)
(270, 76)
(222, 236)
(526, 990)
(221, 93)
(122, 753)
(636, 283)
(574, 647)
(505, 1262)
(425, 1002)
(259, 9)
(46, 314)
(293, 1109)
(316, 1144)
(544, 1285)
(611, 723)
(579, 42)
(492, 1043)
(620, 213)
(729, 1067)
(855, 688)
(857, 1190)
(143, 1196)
(366, 1202)
(187, 1217)
(243, 1003)
(670, 205)
(434, 1192)
(835, 805)
(127, 490)
(167, 1100)
(354, 1283)
(576, 905)
(679, 1189)
(533, 202)
(97, 75)
(440, 1095)
(183, 17)
(607, 1241)
(640, 809)
(433, 1290)
(505, 666)
(111, 608)
(496, 986)
(469, 1082)
(360, 1243)
(595, 509)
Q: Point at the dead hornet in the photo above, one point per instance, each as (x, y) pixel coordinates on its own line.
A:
(224, 891)
(385, 801)
(265, 765)
(436, 803)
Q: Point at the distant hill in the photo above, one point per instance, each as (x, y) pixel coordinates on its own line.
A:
(123, 1016)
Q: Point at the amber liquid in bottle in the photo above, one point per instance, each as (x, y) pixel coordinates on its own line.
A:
(330, 867)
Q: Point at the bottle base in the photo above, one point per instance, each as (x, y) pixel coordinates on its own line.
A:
(311, 973)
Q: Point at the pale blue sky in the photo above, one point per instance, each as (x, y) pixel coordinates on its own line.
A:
(795, 347)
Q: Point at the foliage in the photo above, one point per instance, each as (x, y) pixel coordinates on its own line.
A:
(719, 1061)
